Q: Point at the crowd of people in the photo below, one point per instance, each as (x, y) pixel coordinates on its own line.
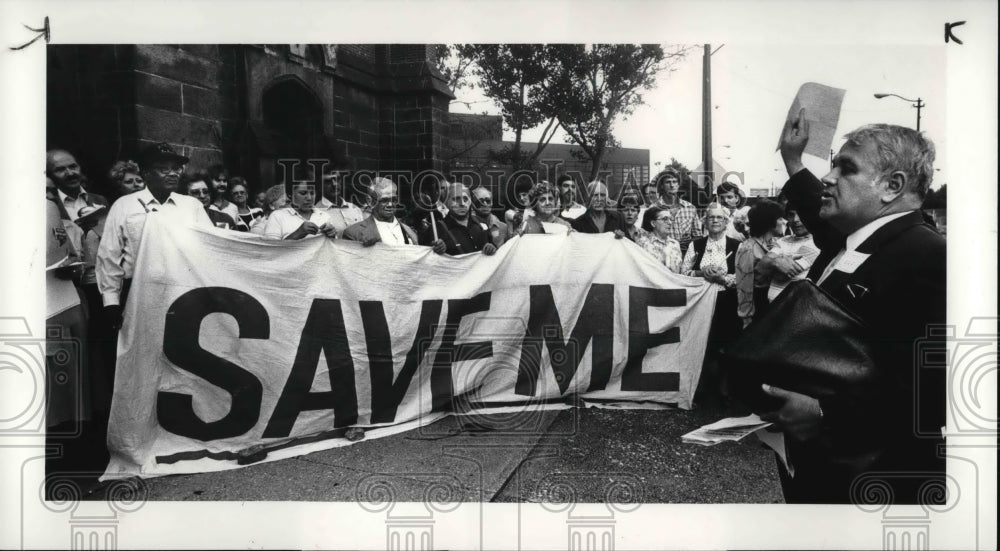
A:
(101, 237)
(751, 252)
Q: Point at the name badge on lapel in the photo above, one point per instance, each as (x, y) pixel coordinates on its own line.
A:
(850, 261)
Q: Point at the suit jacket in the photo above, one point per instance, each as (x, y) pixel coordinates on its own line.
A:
(585, 222)
(366, 229)
(899, 292)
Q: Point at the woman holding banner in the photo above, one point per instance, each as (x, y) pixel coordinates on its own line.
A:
(300, 220)
(544, 198)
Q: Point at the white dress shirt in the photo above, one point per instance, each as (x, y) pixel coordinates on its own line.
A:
(73, 206)
(286, 220)
(390, 232)
(123, 232)
(854, 241)
(573, 211)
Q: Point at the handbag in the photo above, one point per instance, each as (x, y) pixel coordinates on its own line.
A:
(806, 342)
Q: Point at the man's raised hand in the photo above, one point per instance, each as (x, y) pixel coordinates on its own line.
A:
(794, 138)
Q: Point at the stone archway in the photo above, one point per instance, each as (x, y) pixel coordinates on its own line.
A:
(292, 118)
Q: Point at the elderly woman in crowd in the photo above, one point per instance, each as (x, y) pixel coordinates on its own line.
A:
(196, 185)
(751, 286)
(274, 198)
(656, 239)
(239, 195)
(714, 258)
(599, 218)
(733, 200)
(125, 177)
(629, 208)
(544, 198)
(300, 220)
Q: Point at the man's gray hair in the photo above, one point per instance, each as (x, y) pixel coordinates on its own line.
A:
(593, 186)
(452, 189)
(378, 185)
(899, 149)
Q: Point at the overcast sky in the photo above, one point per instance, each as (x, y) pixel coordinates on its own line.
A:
(752, 89)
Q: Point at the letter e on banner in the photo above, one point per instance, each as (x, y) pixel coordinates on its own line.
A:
(640, 340)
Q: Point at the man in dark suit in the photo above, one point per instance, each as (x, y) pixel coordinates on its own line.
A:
(383, 225)
(599, 218)
(458, 231)
(883, 263)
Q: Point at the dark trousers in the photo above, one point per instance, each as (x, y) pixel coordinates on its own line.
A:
(725, 326)
(101, 344)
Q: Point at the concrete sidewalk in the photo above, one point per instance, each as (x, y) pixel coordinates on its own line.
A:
(601, 454)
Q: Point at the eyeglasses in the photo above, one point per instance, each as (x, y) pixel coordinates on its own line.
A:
(485, 201)
(164, 170)
(199, 192)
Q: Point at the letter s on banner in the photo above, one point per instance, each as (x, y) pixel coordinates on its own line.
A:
(181, 330)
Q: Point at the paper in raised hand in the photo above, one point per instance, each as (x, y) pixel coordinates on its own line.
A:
(822, 104)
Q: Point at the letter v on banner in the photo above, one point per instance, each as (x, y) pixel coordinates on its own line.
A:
(386, 393)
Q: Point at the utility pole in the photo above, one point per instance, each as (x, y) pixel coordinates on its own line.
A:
(706, 113)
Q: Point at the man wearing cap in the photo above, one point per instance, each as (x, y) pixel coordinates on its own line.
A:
(458, 232)
(342, 212)
(161, 169)
(382, 225)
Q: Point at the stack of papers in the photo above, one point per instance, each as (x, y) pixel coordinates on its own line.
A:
(731, 429)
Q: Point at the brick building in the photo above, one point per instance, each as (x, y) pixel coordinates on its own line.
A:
(375, 107)
(474, 137)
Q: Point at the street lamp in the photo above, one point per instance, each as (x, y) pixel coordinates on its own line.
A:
(917, 103)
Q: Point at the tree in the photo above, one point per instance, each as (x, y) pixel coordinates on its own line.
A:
(936, 199)
(452, 65)
(596, 85)
(514, 76)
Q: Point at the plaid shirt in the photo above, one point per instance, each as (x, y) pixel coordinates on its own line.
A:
(685, 224)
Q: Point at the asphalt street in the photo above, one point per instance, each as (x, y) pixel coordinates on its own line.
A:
(596, 455)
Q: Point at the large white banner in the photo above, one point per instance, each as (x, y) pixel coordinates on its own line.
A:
(237, 349)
